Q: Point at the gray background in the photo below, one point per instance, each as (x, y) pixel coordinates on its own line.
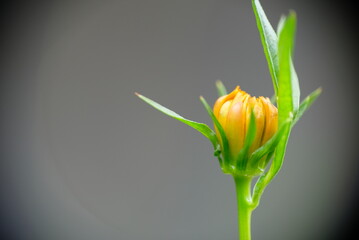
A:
(86, 159)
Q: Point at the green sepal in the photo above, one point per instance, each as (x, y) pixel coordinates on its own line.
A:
(221, 89)
(269, 146)
(217, 151)
(262, 165)
(200, 127)
(243, 156)
(277, 162)
(305, 104)
(225, 146)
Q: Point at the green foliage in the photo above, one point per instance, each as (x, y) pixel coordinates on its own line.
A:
(287, 94)
(305, 105)
(269, 146)
(269, 41)
(200, 127)
(278, 51)
(288, 91)
(225, 146)
(278, 48)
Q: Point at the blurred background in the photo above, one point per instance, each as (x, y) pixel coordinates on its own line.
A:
(83, 158)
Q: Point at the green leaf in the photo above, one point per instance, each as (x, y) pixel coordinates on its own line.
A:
(243, 157)
(286, 96)
(307, 102)
(294, 77)
(269, 41)
(287, 91)
(267, 177)
(288, 86)
(263, 164)
(225, 145)
(201, 127)
(221, 89)
(269, 146)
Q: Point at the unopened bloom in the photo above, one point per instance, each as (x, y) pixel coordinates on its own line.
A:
(233, 112)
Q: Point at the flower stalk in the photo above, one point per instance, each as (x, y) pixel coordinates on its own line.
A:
(244, 206)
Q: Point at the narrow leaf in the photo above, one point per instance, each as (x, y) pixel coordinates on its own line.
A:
(279, 153)
(286, 94)
(307, 102)
(201, 127)
(285, 90)
(221, 89)
(225, 145)
(269, 146)
(269, 41)
(266, 178)
(294, 77)
(263, 164)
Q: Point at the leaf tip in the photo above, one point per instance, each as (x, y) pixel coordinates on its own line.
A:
(319, 90)
(292, 15)
(201, 98)
(137, 94)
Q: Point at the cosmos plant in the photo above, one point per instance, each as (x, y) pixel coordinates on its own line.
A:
(250, 134)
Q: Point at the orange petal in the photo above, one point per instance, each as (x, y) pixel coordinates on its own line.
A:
(236, 121)
(220, 101)
(259, 114)
(271, 120)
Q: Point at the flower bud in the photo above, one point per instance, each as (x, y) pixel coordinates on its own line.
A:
(233, 112)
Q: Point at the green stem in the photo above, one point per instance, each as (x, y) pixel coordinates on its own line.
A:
(244, 202)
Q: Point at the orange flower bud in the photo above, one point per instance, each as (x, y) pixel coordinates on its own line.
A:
(233, 112)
